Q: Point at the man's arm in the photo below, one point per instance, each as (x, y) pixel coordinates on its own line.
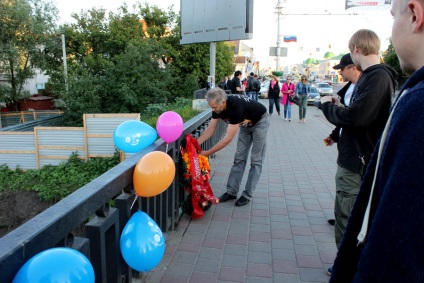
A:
(210, 130)
(229, 135)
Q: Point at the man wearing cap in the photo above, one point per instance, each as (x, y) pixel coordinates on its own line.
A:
(350, 74)
(359, 116)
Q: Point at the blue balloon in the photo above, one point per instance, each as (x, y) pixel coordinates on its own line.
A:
(142, 243)
(133, 136)
(56, 265)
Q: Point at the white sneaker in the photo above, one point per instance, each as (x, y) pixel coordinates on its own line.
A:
(285, 119)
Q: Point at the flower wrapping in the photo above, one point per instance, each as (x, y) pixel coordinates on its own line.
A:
(196, 170)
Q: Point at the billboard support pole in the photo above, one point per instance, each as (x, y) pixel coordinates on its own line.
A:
(212, 56)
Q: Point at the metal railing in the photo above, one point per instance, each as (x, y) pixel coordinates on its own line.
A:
(10, 119)
(85, 222)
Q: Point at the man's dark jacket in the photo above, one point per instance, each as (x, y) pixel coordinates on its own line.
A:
(394, 247)
(366, 116)
(335, 134)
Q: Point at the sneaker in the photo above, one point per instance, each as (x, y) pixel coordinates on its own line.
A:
(285, 119)
(225, 197)
(329, 271)
(242, 201)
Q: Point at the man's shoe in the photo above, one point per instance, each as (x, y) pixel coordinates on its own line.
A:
(225, 197)
(331, 221)
(242, 201)
(329, 271)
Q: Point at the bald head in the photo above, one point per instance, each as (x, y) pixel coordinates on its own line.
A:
(408, 33)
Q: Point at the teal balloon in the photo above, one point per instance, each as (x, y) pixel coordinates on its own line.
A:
(56, 265)
(132, 136)
(142, 243)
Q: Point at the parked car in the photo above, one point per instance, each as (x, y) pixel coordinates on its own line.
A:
(328, 82)
(324, 89)
(264, 89)
(313, 94)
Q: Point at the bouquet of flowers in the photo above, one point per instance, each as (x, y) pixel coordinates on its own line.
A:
(195, 171)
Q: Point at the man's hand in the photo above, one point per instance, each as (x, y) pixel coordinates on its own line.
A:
(326, 98)
(336, 101)
(328, 141)
(204, 153)
(246, 123)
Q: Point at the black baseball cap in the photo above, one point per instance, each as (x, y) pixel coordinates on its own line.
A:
(346, 60)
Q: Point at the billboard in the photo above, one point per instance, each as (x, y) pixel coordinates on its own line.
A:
(280, 52)
(213, 21)
(371, 3)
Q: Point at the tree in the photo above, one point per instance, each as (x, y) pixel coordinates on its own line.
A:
(390, 57)
(119, 63)
(24, 25)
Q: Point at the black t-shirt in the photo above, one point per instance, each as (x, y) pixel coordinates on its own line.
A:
(235, 82)
(240, 108)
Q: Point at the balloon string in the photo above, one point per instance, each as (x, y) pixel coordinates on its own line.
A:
(166, 150)
(136, 196)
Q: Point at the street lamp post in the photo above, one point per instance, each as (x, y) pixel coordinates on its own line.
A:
(279, 14)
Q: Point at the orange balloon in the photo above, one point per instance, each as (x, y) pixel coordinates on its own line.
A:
(153, 174)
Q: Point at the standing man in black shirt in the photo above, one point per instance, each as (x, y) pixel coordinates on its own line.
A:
(236, 87)
(252, 119)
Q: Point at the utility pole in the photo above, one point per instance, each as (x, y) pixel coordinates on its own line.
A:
(279, 13)
(65, 66)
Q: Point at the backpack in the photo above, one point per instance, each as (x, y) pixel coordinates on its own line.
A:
(256, 85)
(253, 85)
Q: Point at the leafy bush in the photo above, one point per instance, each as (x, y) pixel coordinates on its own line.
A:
(56, 182)
(182, 106)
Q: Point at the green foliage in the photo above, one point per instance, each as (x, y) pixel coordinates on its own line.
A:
(56, 182)
(390, 57)
(24, 27)
(182, 106)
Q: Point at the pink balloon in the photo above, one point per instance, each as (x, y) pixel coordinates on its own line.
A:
(169, 126)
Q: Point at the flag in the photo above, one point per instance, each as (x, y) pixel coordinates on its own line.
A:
(290, 38)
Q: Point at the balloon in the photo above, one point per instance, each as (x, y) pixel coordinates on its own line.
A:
(133, 136)
(170, 126)
(142, 243)
(153, 174)
(56, 265)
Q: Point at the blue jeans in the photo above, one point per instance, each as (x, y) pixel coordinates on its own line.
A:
(273, 101)
(287, 110)
(303, 104)
(255, 138)
(253, 95)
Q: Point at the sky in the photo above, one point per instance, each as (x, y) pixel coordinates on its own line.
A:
(316, 34)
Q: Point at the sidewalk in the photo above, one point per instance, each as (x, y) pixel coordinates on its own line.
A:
(282, 235)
